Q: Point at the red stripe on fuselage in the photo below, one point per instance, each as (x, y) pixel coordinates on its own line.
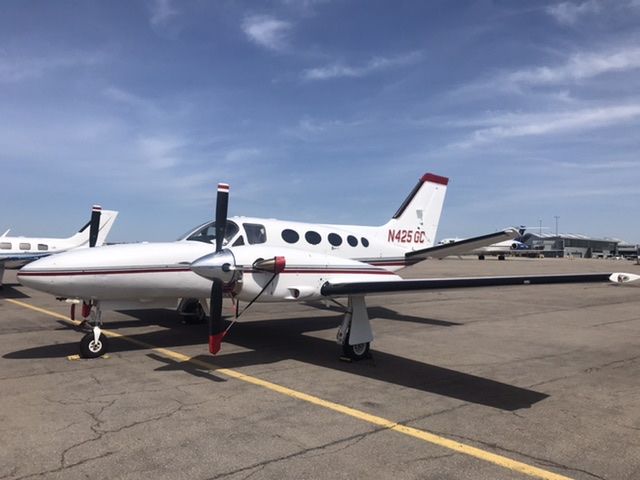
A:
(172, 270)
(100, 272)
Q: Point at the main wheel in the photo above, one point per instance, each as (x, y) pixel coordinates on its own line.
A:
(89, 348)
(501, 257)
(480, 257)
(193, 313)
(356, 352)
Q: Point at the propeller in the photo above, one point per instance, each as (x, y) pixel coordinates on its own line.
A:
(94, 225)
(220, 267)
(216, 325)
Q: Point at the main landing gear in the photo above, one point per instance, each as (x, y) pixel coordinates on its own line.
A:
(191, 311)
(355, 334)
(94, 344)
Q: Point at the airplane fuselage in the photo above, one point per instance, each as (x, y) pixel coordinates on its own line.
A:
(16, 252)
(146, 272)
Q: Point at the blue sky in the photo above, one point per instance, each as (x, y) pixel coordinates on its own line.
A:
(324, 111)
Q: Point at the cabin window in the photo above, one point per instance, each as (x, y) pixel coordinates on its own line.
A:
(353, 241)
(43, 247)
(25, 246)
(207, 234)
(335, 239)
(312, 237)
(256, 233)
(5, 245)
(290, 236)
(365, 242)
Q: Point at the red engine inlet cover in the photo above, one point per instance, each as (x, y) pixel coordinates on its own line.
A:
(279, 264)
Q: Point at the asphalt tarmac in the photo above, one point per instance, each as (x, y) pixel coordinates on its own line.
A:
(496, 383)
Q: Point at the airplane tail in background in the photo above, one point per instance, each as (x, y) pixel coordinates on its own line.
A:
(107, 219)
(416, 222)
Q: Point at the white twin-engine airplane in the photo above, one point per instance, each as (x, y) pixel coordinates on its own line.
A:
(267, 260)
(15, 252)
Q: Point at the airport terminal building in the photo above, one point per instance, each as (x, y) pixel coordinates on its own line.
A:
(571, 245)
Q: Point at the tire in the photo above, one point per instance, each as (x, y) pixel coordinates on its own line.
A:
(193, 313)
(501, 257)
(356, 352)
(89, 349)
(480, 257)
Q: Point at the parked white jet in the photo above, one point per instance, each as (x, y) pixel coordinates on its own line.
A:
(16, 252)
(267, 260)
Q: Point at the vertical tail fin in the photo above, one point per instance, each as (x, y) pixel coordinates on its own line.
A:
(82, 238)
(416, 222)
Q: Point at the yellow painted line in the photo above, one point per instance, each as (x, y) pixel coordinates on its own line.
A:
(423, 435)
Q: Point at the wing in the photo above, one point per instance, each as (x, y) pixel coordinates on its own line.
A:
(396, 286)
(463, 246)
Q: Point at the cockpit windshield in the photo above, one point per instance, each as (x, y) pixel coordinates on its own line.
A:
(207, 233)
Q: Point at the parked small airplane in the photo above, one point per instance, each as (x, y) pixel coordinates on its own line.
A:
(267, 260)
(15, 252)
(513, 246)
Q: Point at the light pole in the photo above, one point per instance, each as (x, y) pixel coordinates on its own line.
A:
(556, 217)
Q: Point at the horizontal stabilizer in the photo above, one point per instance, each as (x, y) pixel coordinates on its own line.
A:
(462, 247)
(398, 286)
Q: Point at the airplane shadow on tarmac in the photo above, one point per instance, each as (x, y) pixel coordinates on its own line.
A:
(8, 290)
(271, 341)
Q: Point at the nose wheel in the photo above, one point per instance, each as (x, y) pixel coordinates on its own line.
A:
(94, 344)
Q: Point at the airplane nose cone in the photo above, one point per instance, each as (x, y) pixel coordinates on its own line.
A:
(36, 275)
(219, 265)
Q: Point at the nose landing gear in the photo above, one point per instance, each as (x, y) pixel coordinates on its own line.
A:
(94, 344)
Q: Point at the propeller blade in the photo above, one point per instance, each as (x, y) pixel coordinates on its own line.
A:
(94, 225)
(222, 203)
(216, 325)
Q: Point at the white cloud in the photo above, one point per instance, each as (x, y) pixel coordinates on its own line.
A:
(308, 128)
(579, 66)
(124, 97)
(161, 12)
(527, 125)
(240, 155)
(568, 13)
(608, 165)
(376, 64)
(18, 68)
(160, 152)
(267, 31)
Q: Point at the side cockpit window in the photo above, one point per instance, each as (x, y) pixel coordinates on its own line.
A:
(207, 234)
(256, 233)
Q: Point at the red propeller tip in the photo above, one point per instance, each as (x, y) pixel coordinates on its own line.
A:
(215, 342)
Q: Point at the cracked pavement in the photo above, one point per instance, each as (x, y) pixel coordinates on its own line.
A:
(546, 375)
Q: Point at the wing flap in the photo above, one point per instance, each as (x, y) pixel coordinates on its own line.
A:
(398, 286)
